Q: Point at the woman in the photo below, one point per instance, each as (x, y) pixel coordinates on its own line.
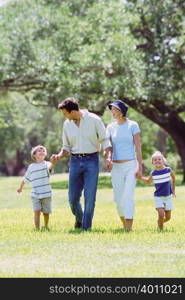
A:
(126, 161)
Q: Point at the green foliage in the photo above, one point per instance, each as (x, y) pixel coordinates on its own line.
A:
(11, 133)
(86, 49)
(95, 51)
(173, 161)
(25, 126)
(83, 52)
(160, 33)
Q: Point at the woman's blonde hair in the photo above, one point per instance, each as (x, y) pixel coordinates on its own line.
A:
(34, 150)
(158, 153)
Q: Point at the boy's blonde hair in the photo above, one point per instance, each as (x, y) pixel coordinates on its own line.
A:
(158, 153)
(34, 150)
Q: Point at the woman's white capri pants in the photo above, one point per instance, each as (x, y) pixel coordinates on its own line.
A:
(123, 182)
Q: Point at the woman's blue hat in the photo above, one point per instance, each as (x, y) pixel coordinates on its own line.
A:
(123, 107)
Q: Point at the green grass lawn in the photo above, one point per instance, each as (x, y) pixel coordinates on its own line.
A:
(106, 251)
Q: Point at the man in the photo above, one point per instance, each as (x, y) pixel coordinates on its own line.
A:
(83, 134)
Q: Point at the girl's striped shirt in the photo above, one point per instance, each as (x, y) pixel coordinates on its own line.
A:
(162, 181)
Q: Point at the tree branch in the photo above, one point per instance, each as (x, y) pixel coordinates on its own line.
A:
(44, 104)
(144, 32)
(14, 84)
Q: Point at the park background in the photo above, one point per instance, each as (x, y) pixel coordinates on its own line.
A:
(96, 51)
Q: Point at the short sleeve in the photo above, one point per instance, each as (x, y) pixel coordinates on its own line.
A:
(135, 128)
(49, 164)
(27, 176)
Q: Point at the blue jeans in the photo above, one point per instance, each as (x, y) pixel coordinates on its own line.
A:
(83, 175)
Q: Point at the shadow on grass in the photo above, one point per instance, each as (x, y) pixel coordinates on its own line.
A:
(120, 230)
(79, 231)
(62, 185)
(75, 231)
(104, 182)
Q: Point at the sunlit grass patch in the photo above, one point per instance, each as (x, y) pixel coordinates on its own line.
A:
(105, 251)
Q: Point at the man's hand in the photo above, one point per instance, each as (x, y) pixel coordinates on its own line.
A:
(54, 158)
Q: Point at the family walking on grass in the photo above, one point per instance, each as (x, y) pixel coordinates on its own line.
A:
(84, 134)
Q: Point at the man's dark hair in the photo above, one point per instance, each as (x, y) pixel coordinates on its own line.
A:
(69, 104)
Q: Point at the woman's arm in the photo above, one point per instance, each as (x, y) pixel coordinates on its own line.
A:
(137, 142)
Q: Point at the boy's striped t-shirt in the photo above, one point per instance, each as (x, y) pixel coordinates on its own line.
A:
(162, 181)
(38, 175)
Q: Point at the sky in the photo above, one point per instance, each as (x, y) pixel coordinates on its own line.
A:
(3, 2)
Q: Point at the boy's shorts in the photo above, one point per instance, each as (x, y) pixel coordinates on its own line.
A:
(165, 202)
(43, 204)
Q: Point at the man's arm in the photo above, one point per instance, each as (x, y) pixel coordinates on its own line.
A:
(106, 144)
(102, 136)
(56, 157)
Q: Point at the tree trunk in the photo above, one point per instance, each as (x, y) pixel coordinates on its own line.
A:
(15, 167)
(180, 145)
(161, 141)
(19, 164)
(176, 129)
(171, 123)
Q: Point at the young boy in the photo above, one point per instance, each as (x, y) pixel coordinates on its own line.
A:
(164, 180)
(38, 174)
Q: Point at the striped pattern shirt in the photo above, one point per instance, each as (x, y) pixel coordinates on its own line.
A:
(38, 175)
(162, 181)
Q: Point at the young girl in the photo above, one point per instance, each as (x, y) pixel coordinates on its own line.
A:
(38, 174)
(164, 180)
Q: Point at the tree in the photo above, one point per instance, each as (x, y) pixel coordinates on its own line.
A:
(98, 51)
(56, 48)
(161, 41)
(25, 126)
